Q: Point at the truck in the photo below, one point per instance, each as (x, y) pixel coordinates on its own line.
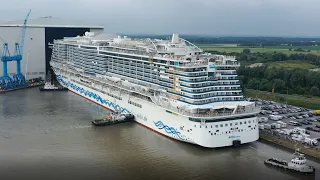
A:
(261, 126)
(275, 117)
(282, 124)
(299, 130)
(311, 142)
(305, 135)
(297, 137)
(275, 126)
(263, 119)
(287, 131)
(267, 126)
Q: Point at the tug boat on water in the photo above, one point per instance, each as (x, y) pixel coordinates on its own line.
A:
(114, 118)
(298, 163)
(50, 87)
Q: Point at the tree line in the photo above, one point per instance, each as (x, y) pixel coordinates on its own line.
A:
(247, 57)
(240, 41)
(282, 80)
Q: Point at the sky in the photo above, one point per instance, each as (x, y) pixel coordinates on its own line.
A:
(289, 18)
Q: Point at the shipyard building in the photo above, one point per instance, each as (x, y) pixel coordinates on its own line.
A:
(39, 34)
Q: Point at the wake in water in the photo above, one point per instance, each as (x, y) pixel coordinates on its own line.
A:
(68, 127)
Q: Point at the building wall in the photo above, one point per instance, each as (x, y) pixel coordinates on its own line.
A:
(52, 33)
(97, 30)
(32, 66)
(36, 46)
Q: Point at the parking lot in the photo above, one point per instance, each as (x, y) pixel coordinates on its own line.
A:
(272, 112)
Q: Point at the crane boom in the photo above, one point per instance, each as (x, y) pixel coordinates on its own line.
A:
(24, 32)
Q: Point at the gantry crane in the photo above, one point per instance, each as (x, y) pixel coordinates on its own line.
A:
(5, 80)
(19, 79)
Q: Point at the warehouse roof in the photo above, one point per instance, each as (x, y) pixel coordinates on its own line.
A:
(49, 21)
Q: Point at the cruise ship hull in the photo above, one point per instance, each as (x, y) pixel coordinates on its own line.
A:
(165, 122)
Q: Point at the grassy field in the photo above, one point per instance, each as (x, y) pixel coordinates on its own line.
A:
(296, 100)
(269, 49)
(294, 64)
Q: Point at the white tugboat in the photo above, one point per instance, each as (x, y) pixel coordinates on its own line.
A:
(49, 86)
(298, 163)
(114, 118)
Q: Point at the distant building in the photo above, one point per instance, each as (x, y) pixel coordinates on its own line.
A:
(40, 32)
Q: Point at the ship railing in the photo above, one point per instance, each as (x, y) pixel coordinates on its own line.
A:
(194, 64)
(119, 85)
(227, 64)
(185, 112)
(158, 54)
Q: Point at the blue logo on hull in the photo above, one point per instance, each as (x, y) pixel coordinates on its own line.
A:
(168, 130)
(90, 95)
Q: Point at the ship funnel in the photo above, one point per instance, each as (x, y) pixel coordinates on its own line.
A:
(175, 38)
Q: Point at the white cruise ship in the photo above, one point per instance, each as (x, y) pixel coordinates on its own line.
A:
(171, 86)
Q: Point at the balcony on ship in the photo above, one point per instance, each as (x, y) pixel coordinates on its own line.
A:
(212, 110)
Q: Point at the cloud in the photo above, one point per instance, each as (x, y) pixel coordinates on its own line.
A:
(212, 17)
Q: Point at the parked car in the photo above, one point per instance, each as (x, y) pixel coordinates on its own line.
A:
(309, 128)
(307, 122)
(316, 130)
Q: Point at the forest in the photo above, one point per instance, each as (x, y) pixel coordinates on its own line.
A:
(246, 57)
(282, 80)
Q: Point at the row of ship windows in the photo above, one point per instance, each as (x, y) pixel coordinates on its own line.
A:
(216, 88)
(149, 65)
(208, 85)
(297, 163)
(229, 132)
(197, 102)
(168, 81)
(184, 99)
(114, 96)
(135, 104)
(181, 99)
(120, 57)
(212, 94)
(208, 79)
(197, 85)
(228, 124)
(207, 101)
(93, 51)
(203, 96)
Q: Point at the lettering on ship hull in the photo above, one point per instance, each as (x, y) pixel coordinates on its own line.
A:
(140, 116)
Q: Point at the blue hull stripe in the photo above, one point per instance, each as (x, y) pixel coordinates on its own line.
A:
(90, 94)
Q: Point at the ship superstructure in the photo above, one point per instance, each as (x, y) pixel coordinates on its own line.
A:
(171, 86)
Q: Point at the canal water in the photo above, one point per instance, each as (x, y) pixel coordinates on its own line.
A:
(49, 135)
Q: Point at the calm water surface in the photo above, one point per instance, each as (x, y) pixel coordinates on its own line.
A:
(49, 135)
